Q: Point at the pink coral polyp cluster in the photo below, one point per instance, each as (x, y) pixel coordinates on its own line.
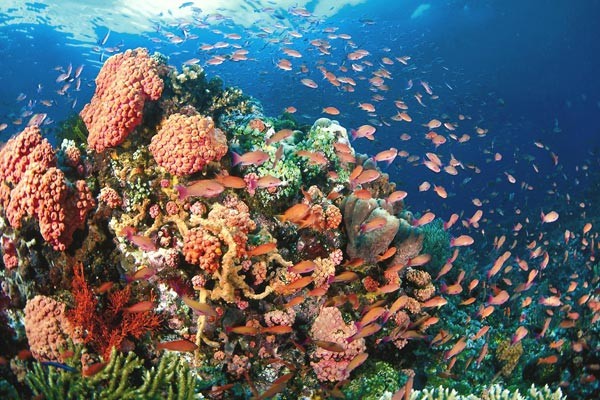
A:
(329, 326)
(124, 84)
(34, 187)
(185, 144)
(200, 247)
(47, 328)
(21, 152)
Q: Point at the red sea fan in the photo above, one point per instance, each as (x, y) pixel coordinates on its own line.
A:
(105, 326)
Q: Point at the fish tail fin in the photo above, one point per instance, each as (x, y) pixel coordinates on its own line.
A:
(235, 158)
(182, 191)
(353, 134)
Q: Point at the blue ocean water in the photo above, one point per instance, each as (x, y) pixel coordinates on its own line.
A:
(523, 72)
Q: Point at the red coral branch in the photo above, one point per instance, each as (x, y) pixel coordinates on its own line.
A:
(106, 327)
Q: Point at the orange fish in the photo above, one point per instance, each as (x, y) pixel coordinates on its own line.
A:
(262, 249)
(364, 332)
(346, 276)
(552, 301)
(331, 111)
(462, 240)
(142, 306)
(451, 221)
(387, 254)
(419, 260)
(550, 217)
(294, 302)
(279, 136)
(256, 158)
(456, 349)
(295, 213)
(373, 314)
(485, 312)
(104, 287)
(203, 188)
(499, 299)
(330, 346)
(425, 219)
(303, 267)
(93, 369)
(200, 308)
(277, 329)
(297, 284)
(143, 242)
(547, 360)
(243, 330)
(232, 182)
(366, 131)
(440, 191)
(437, 301)
(520, 333)
(372, 225)
(314, 157)
(396, 196)
(177, 345)
(356, 362)
(365, 177)
(387, 156)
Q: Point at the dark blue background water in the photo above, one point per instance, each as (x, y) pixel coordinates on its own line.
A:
(518, 68)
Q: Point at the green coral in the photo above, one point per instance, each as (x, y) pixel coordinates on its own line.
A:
(436, 242)
(120, 379)
(380, 378)
(73, 128)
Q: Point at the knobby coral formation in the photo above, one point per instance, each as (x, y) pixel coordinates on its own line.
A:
(247, 269)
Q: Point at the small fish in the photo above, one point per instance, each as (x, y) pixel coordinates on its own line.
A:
(547, 360)
(330, 111)
(346, 276)
(462, 240)
(143, 242)
(93, 369)
(396, 196)
(303, 267)
(356, 362)
(550, 217)
(314, 157)
(372, 225)
(277, 329)
(279, 136)
(59, 365)
(203, 188)
(295, 213)
(366, 176)
(499, 299)
(181, 345)
(425, 219)
(456, 349)
(363, 131)
(387, 156)
(142, 306)
(330, 346)
(372, 315)
(297, 284)
(364, 332)
(437, 301)
(256, 158)
(262, 249)
(243, 330)
(520, 333)
(201, 308)
(269, 181)
(231, 182)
